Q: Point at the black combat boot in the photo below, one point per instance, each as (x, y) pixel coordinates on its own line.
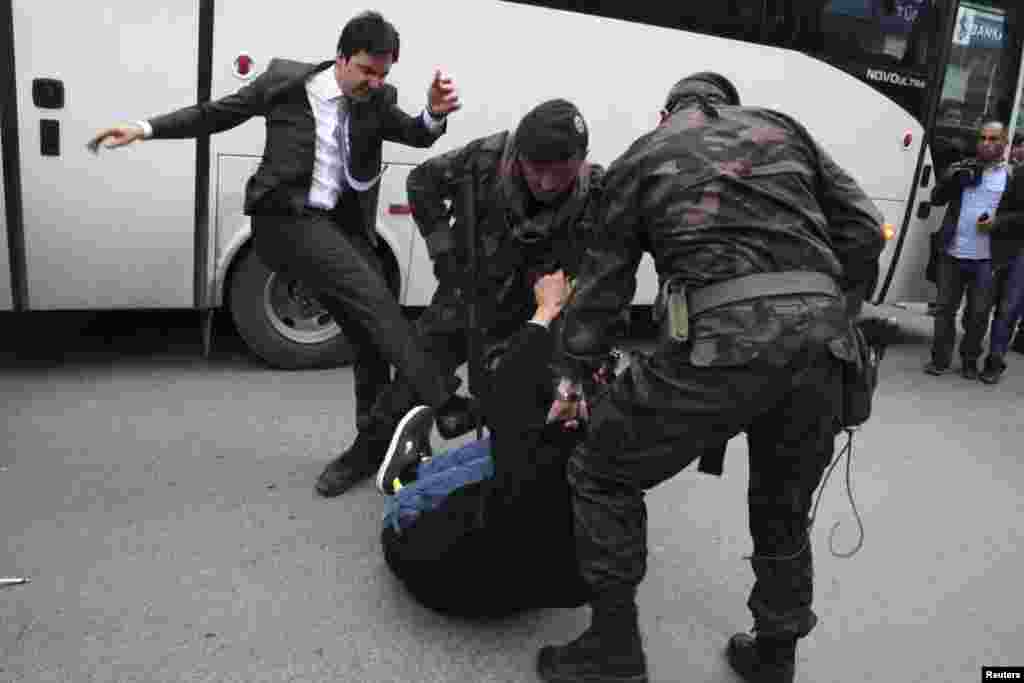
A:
(762, 660)
(456, 417)
(610, 651)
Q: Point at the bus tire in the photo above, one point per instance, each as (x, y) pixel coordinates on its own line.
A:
(280, 321)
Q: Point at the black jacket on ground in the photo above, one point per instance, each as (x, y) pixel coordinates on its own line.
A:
(506, 544)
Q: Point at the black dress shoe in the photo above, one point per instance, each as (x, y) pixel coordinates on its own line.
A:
(995, 366)
(351, 467)
(969, 370)
(758, 660)
(933, 368)
(456, 417)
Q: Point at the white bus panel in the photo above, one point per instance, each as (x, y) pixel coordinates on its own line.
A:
(619, 91)
(114, 231)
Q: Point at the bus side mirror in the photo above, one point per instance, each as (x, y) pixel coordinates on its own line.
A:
(924, 210)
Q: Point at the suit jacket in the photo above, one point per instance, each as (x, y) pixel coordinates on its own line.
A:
(282, 182)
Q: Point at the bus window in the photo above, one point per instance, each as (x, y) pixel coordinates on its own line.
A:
(737, 19)
(980, 80)
(886, 43)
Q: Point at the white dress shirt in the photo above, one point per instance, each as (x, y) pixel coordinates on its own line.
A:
(330, 170)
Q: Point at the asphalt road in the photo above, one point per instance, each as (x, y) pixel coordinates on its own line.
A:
(162, 505)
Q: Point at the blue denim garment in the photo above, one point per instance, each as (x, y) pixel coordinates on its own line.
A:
(435, 481)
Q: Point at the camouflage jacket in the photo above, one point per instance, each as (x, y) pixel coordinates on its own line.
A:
(715, 198)
(505, 261)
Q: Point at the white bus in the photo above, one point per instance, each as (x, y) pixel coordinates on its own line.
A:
(159, 225)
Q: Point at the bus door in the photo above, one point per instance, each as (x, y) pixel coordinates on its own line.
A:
(6, 299)
(979, 84)
(1017, 117)
(112, 231)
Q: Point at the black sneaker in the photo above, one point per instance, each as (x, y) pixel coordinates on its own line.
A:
(409, 445)
(933, 368)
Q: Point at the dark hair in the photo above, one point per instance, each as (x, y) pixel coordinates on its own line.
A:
(368, 32)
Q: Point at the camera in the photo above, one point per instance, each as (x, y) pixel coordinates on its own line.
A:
(968, 172)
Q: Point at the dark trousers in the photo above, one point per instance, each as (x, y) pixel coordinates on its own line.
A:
(958, 278)
(441, 333)
(1009, 305)
(342, 268)
(663, 413)
(446, 350)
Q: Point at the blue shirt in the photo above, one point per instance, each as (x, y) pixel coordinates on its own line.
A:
(968, 243)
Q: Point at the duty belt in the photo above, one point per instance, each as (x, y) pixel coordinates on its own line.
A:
(677, 305)
(759, 285)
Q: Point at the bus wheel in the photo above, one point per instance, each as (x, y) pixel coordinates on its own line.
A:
(281, 321)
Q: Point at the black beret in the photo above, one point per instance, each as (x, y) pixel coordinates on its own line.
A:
(552, 131)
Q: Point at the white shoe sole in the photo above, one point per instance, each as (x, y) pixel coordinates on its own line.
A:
(412, 419)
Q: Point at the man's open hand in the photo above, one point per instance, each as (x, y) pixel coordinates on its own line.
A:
(114, 137)
(442, 96)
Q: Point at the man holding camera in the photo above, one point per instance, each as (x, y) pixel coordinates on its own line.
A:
(972, 188)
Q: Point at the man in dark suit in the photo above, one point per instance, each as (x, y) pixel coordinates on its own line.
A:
(313, 198)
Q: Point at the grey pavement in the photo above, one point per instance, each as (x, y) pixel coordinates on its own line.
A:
(162, 505)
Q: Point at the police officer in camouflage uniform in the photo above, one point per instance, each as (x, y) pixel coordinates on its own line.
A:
(534, 197)
(761, 243)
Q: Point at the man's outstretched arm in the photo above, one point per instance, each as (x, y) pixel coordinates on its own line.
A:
(522, 386)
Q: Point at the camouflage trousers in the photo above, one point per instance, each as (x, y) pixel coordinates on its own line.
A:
(660, 415)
